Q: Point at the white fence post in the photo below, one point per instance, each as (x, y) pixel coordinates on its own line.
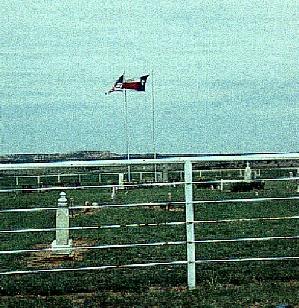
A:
(190, 225)
(62, 244)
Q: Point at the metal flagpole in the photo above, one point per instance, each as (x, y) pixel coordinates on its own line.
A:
(127, 134)
(154, 126)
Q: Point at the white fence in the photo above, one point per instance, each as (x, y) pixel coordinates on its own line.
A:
(62, 224)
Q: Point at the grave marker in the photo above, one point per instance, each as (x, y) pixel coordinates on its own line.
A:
(62, 245)
(247, 174)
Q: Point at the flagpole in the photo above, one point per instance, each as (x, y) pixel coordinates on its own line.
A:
(154, 126)
(127, 134)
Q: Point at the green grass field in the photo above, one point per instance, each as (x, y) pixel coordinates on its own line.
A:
(245, 284)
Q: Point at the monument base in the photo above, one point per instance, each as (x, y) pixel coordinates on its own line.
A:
(62, 249)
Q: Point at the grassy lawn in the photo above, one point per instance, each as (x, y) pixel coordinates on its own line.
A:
(244, 284)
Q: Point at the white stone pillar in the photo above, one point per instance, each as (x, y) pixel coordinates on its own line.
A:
(100, 178)
(247, 174)
(58, 178)
(63, 244)
(169, 198)
(17, 181)
(121, 180)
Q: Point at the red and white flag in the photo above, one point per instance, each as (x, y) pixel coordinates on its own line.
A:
(137, 85)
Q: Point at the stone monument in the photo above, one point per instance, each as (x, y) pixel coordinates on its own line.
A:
(247, 174)
(121, 182)
(62, 245)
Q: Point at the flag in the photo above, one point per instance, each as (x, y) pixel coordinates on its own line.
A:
(117, 85)
(130, 84)
(137, 85)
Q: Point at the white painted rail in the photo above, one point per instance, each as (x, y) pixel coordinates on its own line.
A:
(95, 163)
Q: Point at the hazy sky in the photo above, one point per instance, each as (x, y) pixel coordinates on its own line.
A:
(225, 75)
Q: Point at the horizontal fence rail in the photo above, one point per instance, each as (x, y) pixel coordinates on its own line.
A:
(64, 211)
(174, 223)
(105, 267)
(250, 239)
(150, 204)
(144, 185)
(175, 160)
